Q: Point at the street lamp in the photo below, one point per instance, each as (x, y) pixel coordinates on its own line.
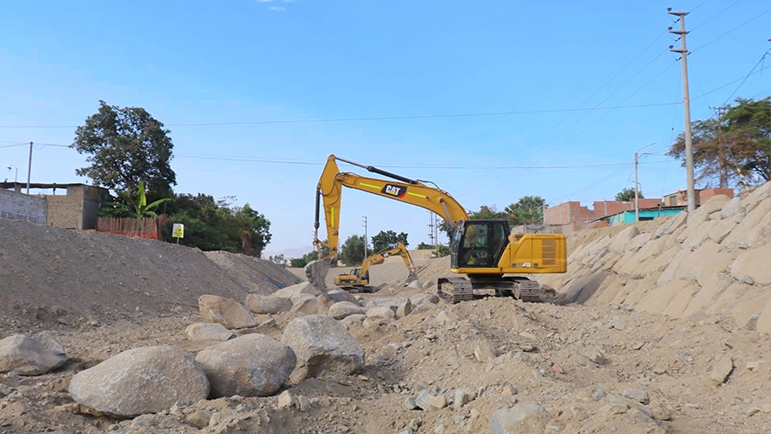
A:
(15, 178)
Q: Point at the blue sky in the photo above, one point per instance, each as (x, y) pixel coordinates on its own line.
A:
(250, 61)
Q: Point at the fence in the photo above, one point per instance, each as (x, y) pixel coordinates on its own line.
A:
(129, 227)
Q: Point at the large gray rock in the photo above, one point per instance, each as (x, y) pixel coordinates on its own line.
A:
(250, 365)
(732, 208)
(306, 303)
(291, 291)
(392, 303)
(261, 304)
(324, 348)
(139, 381)
(225, 311)
(30, 355)
(753, 266)
(620, 241)
(671, 225)
(753, 231)
(202, 331)
(343, 309)
(342, 295)
(505, 417)
(714, 203)
(383, 312)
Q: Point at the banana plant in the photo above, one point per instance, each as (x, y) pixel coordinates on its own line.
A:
(139, 208)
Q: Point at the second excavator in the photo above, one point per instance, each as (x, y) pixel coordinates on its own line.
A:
(359, 280)
(485, 251)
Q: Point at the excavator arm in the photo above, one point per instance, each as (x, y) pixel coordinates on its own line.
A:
(400, 248)
(414, 192)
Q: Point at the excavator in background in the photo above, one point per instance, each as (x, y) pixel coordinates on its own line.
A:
(359, 277)
(484, 250)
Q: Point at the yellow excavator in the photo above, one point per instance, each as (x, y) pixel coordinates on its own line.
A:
(359, 277)
(483, 250)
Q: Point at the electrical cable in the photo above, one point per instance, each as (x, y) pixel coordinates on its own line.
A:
(748, 76)
(732, 30)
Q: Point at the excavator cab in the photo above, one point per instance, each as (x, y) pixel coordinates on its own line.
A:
(478, 243)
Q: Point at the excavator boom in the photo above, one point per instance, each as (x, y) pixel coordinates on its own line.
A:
(413, 192)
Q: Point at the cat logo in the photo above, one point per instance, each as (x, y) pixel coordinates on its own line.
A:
(394, 190)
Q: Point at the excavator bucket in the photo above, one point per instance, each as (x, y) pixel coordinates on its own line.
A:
(316, 272)
(411, 278)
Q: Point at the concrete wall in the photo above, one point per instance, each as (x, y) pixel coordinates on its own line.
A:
(19, 206)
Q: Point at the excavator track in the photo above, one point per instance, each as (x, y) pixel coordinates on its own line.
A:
(454, 289)
(457, 289)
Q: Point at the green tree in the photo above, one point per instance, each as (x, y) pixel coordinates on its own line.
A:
(527, 210)
(386, 240)
(218, 225)
(425, 246)
(730, 151)
(441, 251)
(627, 195)
(488, 212)
(126, 145)
(352, 251)
(306, 258)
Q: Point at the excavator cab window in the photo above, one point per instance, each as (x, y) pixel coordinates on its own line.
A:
(479, 243)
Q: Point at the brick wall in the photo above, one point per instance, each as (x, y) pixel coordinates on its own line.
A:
(705, 195)
(567, 212)
(65, 211)
(22, 207)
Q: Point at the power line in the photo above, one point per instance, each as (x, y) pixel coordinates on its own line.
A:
(397, 166)
(380, 118)
(713, 16)
(734, 29)
(745, 78)
(732, 82)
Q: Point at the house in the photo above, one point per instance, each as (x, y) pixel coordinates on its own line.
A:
(76, 209)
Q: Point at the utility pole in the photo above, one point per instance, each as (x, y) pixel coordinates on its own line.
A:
(691, 193)
(29, 167)
(431, 227)
(636, 184)
(364, 223)
(720, 111)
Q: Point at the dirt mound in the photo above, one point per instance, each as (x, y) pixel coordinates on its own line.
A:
(50, 275)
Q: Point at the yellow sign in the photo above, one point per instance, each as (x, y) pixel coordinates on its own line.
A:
(178, 230)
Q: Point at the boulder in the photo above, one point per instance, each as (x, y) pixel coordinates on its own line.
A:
(425, 298)
(139, 381)
(720, 230)
(722, 370)
(484, 351)
(250, 365)
(753, 230)
(714, 203)
(261, 304)
(620, 241)
(305, 303)
(463, 397)
(342, 295)
(350, 320)
(30, 355)
(404, 309)
(505, 417)
(323, 347)
(392, 303)
(753, 266)
(671, 225)
(225, 311)
(760, 193)
(732, 208)
(380, 312)
(638, 242)
(343, 309)
(300, 288)
(202, 331)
